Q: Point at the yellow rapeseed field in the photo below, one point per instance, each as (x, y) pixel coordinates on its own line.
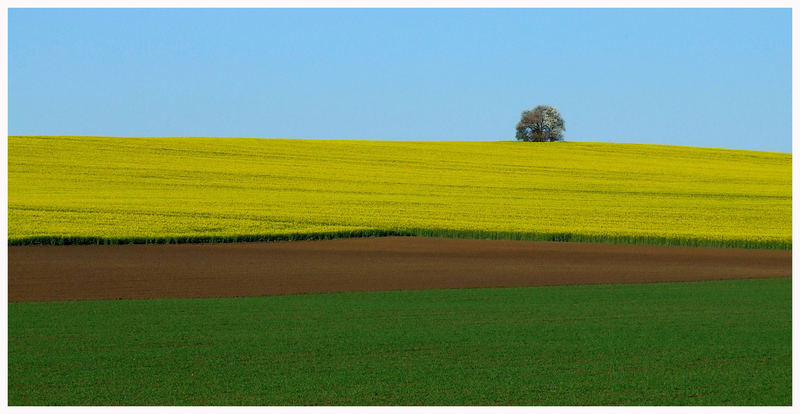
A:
(111, 190)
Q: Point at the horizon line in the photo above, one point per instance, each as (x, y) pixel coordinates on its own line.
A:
(392, 140)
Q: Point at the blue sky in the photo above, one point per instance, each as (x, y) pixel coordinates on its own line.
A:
(704, 77)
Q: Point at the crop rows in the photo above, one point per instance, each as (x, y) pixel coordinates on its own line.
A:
(66, 190)
(701, 343)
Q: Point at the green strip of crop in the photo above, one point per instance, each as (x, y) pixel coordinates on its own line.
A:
(703, 343)
(490, 235)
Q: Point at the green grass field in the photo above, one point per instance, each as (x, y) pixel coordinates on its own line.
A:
(703, 343)
(121, 190)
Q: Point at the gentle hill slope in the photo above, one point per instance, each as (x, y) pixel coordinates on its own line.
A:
(109, 190)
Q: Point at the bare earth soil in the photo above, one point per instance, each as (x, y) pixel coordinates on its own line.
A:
(49, 273)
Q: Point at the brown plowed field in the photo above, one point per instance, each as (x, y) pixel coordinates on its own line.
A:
(43, 273)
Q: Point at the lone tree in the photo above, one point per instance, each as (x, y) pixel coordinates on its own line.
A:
(542, 124)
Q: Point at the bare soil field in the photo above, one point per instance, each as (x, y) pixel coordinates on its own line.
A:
(89, 272)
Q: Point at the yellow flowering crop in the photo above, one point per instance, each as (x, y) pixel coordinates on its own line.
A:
(112, 190)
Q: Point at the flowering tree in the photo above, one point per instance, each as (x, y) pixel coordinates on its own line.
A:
(542, 124)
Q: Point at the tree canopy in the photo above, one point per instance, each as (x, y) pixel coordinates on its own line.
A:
(541, 124)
